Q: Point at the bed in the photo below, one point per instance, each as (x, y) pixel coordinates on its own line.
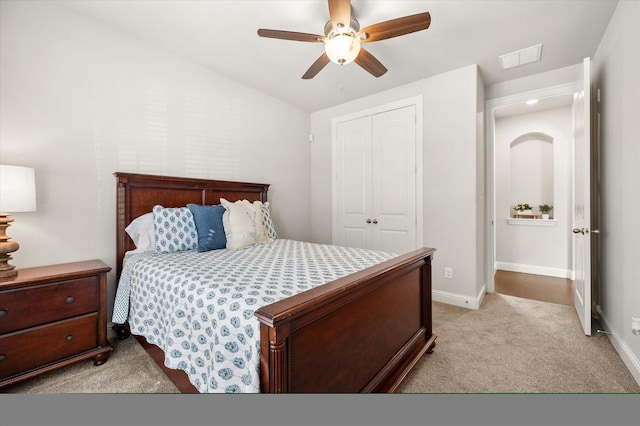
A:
(361, 332)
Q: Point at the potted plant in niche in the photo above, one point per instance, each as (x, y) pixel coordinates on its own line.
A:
(545, 209)
(523, 208)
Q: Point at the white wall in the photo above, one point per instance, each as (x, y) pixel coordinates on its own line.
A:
(616, 67)
(543, 80)
(453, 176)
(531, 247)
(80, 101)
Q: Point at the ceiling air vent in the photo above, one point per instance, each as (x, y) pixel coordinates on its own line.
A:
(521, 57)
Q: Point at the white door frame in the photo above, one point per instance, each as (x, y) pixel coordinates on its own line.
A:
(417, 102)
(490, 108)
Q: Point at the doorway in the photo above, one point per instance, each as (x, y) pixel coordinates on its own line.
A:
(528, 256)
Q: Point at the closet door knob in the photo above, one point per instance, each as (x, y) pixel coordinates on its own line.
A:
(368, 220)
(375, 221)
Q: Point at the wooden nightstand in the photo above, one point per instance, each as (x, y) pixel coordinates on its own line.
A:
(52, 316)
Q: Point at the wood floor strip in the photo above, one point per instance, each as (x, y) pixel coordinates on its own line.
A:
(535, 287)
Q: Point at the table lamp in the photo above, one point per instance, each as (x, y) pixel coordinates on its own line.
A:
(17, 194)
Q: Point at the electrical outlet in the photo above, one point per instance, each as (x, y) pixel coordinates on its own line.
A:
(448, 272)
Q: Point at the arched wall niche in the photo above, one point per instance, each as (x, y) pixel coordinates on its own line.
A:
(531, 170)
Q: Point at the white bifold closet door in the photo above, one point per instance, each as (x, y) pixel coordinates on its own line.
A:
(376, 181)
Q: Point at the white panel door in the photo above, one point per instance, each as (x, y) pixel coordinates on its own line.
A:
(394, 181)
(582, 200)
(353, 180)
(375, 163)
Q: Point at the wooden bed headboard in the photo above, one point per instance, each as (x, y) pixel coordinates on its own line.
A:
(138, 193)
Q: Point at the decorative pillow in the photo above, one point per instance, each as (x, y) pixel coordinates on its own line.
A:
(243, 224)
(268, 223)
(174, 229)
(208, 221)
(141, 232)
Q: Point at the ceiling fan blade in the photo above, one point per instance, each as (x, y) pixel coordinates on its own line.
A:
(289, 35)
(340, 13)
(316, 67)
(396, 27)
(369, 62)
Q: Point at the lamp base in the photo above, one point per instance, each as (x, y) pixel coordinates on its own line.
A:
(11, 271)
(6, 247)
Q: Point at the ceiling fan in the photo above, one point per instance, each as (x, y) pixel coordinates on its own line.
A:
(343, 37)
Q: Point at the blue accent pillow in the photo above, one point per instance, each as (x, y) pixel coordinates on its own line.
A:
(208, 221)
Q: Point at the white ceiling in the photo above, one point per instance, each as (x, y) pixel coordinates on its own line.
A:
(221, 35)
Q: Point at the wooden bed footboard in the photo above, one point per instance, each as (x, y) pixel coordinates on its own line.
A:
(360, 333)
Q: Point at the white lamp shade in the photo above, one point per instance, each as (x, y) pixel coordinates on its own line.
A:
(342, 48)
(17, 189)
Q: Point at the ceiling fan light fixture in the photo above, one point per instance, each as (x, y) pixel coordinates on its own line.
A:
(343, 37)
(342, 48)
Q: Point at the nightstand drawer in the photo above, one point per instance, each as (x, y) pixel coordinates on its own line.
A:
(22, 351)
(30, 306)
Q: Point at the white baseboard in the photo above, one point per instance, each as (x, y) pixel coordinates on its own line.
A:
(628, 357)
(533, 269)
(459, 299)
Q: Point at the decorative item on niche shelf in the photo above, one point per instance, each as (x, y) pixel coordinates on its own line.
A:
(17, 194)
(523, 209)
(545, 209)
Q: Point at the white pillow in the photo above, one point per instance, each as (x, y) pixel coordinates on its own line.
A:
(243, 224)
(141, 232)
(268, 223)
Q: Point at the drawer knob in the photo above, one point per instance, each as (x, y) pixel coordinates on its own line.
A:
(3, 313)
(69, 299)
(2, 357)
(69, 338)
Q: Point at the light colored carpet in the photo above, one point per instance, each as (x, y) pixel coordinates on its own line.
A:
(517, 345)
(128, 370)
(509, 345)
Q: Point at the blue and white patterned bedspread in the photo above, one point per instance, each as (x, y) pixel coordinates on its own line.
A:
(199, 307)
